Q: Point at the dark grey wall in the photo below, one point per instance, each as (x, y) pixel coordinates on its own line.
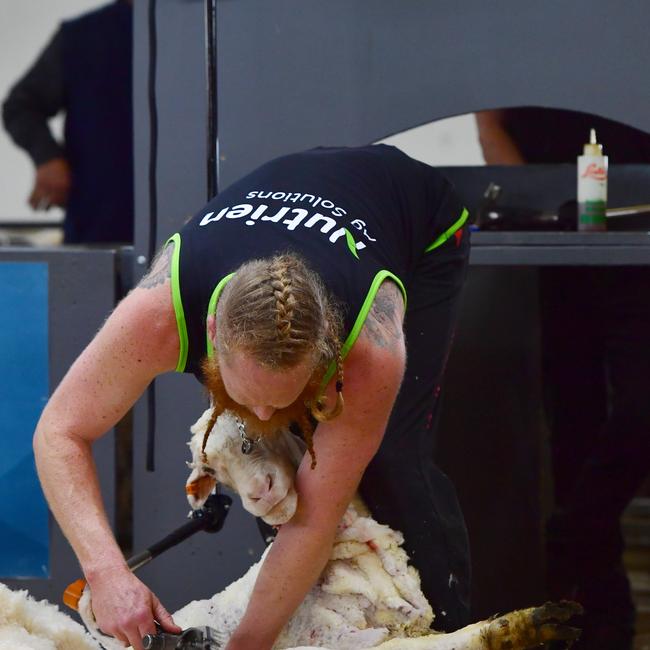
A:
(81, 294)
(181, 94)
(300, 73)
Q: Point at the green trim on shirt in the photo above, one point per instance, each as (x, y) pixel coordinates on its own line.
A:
(449, 232)
(178, 302)
(212, 309)
(361, 319)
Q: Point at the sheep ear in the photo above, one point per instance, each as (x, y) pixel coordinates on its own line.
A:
(199, 489)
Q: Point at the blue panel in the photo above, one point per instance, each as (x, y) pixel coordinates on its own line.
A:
(24, 532)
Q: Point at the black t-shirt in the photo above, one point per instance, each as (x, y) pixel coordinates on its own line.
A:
(356, 215)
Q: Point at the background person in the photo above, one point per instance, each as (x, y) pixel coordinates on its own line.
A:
(85, 71)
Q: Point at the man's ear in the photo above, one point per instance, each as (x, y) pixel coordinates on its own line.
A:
(212, 328)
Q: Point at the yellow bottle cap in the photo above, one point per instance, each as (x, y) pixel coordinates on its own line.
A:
(592, 148)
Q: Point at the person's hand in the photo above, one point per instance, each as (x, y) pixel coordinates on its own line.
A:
(126, 609)
(51, 185)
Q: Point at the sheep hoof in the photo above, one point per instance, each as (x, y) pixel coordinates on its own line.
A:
(530, 628)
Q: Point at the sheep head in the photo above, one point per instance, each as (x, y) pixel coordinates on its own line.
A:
(264, 478)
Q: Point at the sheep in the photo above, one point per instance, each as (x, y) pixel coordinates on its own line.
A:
(28, 624)
(367, 593)
(367, 596)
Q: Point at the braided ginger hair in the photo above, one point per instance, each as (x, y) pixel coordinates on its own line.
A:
(278, 311)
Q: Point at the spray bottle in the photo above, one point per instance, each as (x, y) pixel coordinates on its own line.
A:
(592, 186)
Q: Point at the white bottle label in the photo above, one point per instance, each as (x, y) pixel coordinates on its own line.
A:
(592, 192)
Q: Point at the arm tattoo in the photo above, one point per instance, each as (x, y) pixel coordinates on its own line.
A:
(161, 269)
(384, 322)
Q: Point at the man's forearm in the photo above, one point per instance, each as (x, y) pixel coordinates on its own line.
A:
(294, 563)
(497, 144)
(69, 479)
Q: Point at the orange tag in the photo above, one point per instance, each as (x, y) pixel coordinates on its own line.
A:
(192, 488)
(72, 594)
(202, 485)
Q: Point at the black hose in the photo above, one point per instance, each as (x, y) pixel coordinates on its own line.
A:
(153, 211)
(211, 71)
(210, 518)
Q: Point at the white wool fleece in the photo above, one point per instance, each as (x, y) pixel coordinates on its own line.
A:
(28, 624)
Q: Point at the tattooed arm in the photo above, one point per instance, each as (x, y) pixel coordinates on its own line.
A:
(137, 342)
(383, 326)
(160, 271)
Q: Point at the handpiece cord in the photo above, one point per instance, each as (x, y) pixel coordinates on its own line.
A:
(153, 211)
(211, 71)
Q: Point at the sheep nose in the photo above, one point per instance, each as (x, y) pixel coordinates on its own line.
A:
(261, 488)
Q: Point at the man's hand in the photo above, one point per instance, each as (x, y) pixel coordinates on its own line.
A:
(52, 184)
(125, 608)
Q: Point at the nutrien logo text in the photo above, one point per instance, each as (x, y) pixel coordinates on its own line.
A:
(295, 217)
